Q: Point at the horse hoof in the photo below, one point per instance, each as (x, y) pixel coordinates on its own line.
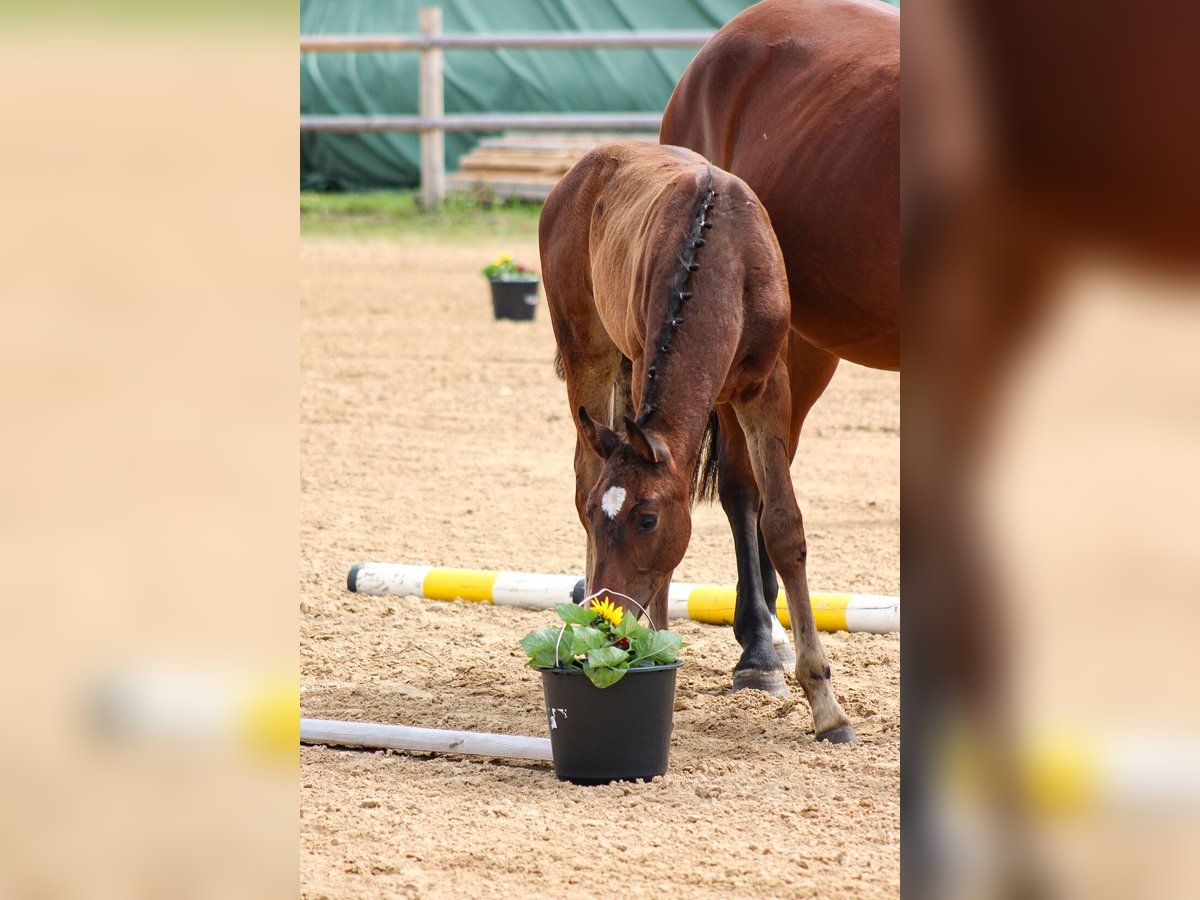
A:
(769, 680)
(787, 656)
(843, 734)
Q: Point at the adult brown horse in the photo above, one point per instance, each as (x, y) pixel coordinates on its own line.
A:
(801, 100)
(668, 296)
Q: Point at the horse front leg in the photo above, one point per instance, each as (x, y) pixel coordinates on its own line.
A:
(587, 470)
(765, 422)
(759, 666)
(770, 589)
(656, 607)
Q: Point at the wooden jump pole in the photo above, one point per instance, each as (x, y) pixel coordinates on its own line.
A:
(872, 613)
(377, 736)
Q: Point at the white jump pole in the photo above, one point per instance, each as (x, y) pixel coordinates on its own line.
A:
(404, 737)
(1072, 773)
(873, 613)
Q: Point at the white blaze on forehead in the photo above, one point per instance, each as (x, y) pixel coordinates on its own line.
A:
(612, 501)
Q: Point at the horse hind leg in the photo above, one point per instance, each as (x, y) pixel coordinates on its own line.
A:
(759, 666)
(765, 421)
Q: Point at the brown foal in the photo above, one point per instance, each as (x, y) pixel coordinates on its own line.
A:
(669, 300)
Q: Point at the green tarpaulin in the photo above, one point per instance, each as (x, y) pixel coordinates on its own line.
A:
(479, 80)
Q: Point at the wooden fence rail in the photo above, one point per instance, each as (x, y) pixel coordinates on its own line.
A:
(432, 122)
(532, 40)
(487, 122)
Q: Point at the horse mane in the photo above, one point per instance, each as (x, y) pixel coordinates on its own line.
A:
(704, 478)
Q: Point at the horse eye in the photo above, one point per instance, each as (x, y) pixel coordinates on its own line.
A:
(647, 523)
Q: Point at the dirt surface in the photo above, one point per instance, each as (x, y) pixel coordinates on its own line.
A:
(434, 434)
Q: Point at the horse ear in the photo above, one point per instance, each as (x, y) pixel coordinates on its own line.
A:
(648, 447)
(600, 438)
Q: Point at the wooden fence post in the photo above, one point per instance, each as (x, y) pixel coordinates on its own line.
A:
(432, 106)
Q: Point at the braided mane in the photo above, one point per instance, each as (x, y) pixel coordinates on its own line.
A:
(704, 478)
(692, 242)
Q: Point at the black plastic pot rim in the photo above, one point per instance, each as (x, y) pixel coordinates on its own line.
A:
(560, 670)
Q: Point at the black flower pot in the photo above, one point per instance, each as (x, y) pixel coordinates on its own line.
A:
(515, 299)
(617, 733)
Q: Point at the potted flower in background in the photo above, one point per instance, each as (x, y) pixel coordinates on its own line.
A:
(514, 288)
(609, 685)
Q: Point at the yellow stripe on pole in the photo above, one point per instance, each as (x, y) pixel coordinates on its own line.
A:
(781, 610)
(1062, 774)
(712, 603)
(459, 584)
(829, 611)
(270, 716)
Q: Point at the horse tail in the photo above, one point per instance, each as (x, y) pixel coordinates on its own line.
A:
(558, 366)
(704, 479)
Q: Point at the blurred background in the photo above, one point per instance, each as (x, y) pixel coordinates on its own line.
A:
(1052, 714)
(148, 482)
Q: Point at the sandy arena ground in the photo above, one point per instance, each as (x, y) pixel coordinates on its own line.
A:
(434, 434)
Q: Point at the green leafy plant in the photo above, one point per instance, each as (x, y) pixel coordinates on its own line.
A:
(504, 269)
(602, 641)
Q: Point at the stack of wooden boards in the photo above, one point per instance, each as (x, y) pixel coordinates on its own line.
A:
(526, 165)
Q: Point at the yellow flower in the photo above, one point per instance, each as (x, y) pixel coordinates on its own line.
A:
(505, 258)
(605, 608)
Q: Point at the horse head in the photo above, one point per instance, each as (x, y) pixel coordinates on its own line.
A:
(638, 514)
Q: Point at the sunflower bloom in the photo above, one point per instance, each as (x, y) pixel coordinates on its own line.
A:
(605, 608)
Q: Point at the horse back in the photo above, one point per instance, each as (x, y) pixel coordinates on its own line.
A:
(614, 236)
(801, 101)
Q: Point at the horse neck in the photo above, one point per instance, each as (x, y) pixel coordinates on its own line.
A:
(676, 404)
(684, 367)
(681, 421)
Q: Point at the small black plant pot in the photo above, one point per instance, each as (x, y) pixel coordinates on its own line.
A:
(515, 299)
(617, 733)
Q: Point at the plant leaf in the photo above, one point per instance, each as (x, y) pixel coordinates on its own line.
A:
(537, 639)
(539, 646)
(607, 656)
(629, 624)
(566, 646)
(605, 676)
(588, 638)
(576, 615)
(542, 659)
(658, 647)
(639, 632)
